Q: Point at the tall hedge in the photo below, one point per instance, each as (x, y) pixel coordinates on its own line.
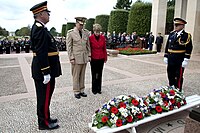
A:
(89, 24)
(103, 21)
(169, 20)
(70, 25)
(140, 18)
(118, 21)
(63, 32)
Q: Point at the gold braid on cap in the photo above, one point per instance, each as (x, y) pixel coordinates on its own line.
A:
(39, 9)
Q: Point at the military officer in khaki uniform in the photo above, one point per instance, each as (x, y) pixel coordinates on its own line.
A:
(78, 48)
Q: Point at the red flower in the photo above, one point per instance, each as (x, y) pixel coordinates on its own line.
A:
(172, 92)
(178, 104)
(166, 103)
(172, 101)
(129, 119)
(104, 119)
(140, 116)
(135, 102)
(171, 107)
(145, 103)
(114, 110)
(122, 105)
(162, 95)
(184, 101)
(158, 109)
(119, 123)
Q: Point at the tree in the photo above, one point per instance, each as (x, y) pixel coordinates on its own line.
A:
(119, 4)
(89, 24)
(169, 20)
(69, 26)
(63, 32)
(123, 4)
(118, 21)
(103, 21)
(138, 1)
(24, 31)
(66, 27)
(3, 32)
(139, 18)
(171, 3)
(127, 4)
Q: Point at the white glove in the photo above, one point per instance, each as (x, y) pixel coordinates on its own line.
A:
(185, 62)
(46, 78)
(165, 60)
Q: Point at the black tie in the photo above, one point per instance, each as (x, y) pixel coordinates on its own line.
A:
(80, 33)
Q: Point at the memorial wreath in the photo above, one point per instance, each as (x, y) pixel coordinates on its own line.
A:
(123, 109)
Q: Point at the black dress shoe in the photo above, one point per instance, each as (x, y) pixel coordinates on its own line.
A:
(83, 94)
(51, 126)
(53, 120)
(94, 93)
(78, 96)
(99, 92)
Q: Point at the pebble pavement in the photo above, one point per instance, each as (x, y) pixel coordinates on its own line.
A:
(137, 74)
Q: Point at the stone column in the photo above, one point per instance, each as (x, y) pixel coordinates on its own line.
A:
(180, 8)
(158, 18)
(193, 23)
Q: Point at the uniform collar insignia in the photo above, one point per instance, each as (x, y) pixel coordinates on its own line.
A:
(38, 24)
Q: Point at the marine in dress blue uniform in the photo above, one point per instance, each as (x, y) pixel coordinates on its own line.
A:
(45, 65)
(177, 53)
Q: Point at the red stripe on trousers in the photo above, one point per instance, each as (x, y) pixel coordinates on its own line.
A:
(179, 80)
(46, 106)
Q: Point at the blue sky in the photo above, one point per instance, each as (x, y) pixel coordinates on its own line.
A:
(15, 14)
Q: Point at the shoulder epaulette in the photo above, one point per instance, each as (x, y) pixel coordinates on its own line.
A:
(86, 30)
(38, 24)
(70, 30)
(189, 37)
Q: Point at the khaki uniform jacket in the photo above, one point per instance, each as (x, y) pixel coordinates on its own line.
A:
(78, 48)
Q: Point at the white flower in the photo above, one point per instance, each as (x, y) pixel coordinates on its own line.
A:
(170, 97)
(182, 102)
(161, 102)
(115, 119)
(156, 99)
(112, 115)
(112, 103)
(113, 125)
(123, 112)
(169, 103)
(108, 106)
(121, 96)
(151, 94)
(112, 121)
(153, 105)
(95, 122)
(134, 110)
(105, 111)
(142, 104)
